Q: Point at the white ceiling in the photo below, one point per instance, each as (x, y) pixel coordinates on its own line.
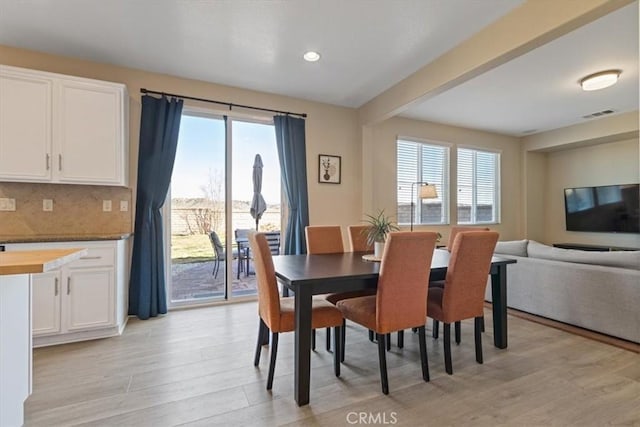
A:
(540, 90)
(367, 46)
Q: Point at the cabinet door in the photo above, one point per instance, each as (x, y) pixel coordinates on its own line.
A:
(25, 127)
(46, 303)
(89, 134)
(89, 298)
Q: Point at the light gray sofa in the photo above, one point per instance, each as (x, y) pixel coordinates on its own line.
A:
(599, 291)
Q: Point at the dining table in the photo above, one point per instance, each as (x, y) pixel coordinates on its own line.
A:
(309, 275)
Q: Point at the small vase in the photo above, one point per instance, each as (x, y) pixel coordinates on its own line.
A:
(378, 249)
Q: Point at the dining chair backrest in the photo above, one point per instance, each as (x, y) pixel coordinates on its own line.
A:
(459, 229)
(401, 298)
(358, 238)
(466, 279)
(324, 239)
(268, 296)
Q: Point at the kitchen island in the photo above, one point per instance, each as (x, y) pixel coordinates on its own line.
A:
(15, 324)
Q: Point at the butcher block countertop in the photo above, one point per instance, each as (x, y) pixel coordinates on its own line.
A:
(37, 261)
(63, 237)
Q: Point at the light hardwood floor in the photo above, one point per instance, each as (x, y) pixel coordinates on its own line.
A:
(195, 367)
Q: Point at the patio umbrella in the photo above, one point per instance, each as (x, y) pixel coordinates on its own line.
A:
(258, 205)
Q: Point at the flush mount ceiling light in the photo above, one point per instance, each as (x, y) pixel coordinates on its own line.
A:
(600, 80)
(311, 56)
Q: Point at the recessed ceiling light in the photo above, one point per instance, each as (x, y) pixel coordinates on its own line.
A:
(311, 56)
(600, 80)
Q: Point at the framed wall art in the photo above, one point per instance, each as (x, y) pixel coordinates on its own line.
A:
(329, 169)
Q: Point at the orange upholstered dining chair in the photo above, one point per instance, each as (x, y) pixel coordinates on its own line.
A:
(455, 230)
(278, 314)
(358, 238)
(327, 239)
(324, 239)
(397, 304)
(462, 296)
(459, 229)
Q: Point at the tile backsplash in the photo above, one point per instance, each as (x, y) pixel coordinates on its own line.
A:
(77, 209)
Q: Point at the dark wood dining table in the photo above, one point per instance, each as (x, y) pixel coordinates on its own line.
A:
(308, 275)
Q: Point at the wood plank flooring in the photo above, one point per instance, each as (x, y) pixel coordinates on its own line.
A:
(195, 368)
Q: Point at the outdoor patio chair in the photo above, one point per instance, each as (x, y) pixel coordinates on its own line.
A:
(218, 250)
(242, 241)
(273, 239)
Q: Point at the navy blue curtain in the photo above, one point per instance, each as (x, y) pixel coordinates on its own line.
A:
(159, 127)
(290, 139)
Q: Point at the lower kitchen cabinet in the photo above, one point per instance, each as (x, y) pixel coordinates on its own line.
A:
(85, 299)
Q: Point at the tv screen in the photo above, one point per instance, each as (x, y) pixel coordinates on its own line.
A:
(608, 208)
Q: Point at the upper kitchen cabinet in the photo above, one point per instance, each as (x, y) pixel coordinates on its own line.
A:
(62, 129)
(25, 127)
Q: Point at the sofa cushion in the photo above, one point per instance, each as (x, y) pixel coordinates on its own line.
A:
(621, 259)
(512, 247)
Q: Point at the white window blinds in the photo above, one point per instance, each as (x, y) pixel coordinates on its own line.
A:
(478, 186)
(420, 162)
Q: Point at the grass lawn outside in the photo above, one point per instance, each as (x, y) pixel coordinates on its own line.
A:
(190, 248)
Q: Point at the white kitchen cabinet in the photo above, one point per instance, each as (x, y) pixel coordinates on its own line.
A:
(76, 129)
(25, 126)
(46, 303)
(90, 298)
(85, 299)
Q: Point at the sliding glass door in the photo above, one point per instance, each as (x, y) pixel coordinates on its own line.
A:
(207, 250)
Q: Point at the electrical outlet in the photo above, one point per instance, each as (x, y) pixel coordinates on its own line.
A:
(106, 206)
(7, 204)
(47, 205)
(124, 205)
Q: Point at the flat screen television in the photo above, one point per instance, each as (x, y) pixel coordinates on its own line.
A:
(608, 208)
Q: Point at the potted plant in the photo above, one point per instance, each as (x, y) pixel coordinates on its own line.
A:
(379, 226)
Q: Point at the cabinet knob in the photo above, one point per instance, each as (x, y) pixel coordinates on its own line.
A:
(59, 162)
(48, 161)
(56, 290)
(68, 285)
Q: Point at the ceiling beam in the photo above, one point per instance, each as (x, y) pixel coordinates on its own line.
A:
(531, 25)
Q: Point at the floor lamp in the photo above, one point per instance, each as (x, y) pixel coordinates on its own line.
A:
(425, 191)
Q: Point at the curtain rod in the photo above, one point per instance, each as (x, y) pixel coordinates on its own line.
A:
(228, 104)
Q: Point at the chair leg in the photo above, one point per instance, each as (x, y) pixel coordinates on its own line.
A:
(435, 327)
(343, 337)
(383, 362)
(388, 342)
(424, 361)
(457, 329)
(400, 339)
(239, 266)
(272, 363)
(482, 323)
(313, 340)
(262, 331)
(478, 338)
(328, 339)
(447, 348)
(337, 350)
(371, 336)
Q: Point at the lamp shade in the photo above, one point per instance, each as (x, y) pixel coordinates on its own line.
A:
(428, 191)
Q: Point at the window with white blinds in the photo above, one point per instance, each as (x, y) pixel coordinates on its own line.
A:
(478, 187)
(420, 162)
